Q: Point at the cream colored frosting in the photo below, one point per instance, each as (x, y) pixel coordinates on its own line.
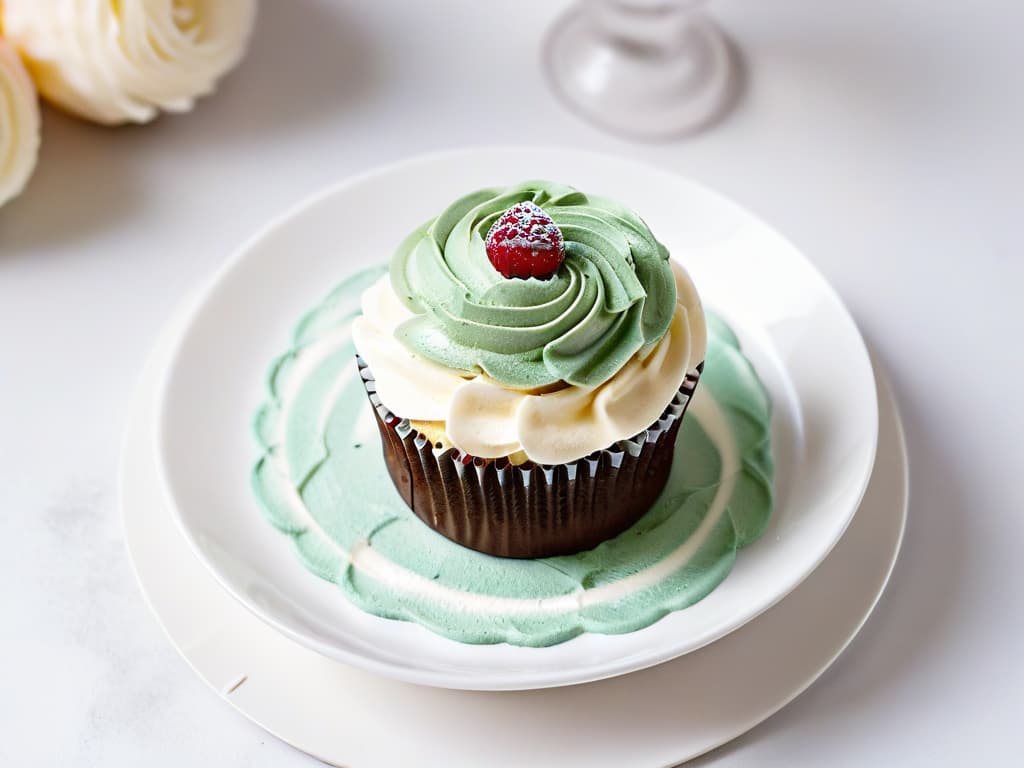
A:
(19, 124)
(485, 419)
(124, 61)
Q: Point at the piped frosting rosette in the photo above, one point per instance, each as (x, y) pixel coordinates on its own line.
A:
(125, 61)
(19, 123)
(544, 370)
(563, 394)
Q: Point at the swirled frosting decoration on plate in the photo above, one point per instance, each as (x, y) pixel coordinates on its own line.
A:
(613, 297)
(124, 61)
(321, 481)
(19, 123)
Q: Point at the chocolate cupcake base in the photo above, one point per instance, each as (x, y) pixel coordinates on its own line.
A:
(529, 510)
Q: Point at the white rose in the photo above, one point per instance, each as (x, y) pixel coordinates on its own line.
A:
(19, 124)
(124, 61)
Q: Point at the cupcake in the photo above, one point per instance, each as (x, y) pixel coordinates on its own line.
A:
(529, 358)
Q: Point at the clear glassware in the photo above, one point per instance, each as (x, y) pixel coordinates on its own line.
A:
(648, 69)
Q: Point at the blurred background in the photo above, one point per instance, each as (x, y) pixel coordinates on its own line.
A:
(883, 138)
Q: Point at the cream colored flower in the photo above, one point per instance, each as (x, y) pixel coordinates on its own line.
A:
(19, 124)
(117, 61)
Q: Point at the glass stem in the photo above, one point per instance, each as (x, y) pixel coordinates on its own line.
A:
(655, 25)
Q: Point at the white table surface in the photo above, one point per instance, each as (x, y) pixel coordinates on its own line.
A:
(883, 137)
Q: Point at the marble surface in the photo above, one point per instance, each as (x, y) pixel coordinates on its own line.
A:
(882, 137)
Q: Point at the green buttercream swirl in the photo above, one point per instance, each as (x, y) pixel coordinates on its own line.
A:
(613, 296)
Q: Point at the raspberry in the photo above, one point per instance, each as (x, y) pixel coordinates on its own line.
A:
(525, 242)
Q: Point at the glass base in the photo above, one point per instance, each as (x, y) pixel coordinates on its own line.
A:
(638, 90)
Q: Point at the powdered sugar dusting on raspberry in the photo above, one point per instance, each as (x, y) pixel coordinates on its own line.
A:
(525, 242)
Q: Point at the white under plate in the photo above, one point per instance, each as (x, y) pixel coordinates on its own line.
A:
(792, 325)
(657, 717)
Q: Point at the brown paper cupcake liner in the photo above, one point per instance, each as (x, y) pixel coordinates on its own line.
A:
(529, 510)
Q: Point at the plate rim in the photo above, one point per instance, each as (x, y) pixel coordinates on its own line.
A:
(497, 679)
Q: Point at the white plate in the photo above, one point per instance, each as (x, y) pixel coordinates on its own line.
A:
(657, 717)
(793, 326)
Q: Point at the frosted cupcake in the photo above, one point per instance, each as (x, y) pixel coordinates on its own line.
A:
(529, 358)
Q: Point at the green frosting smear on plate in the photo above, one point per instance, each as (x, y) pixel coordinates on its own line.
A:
(321, 480)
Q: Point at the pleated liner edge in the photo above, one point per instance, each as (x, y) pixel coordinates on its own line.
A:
(529, 510)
